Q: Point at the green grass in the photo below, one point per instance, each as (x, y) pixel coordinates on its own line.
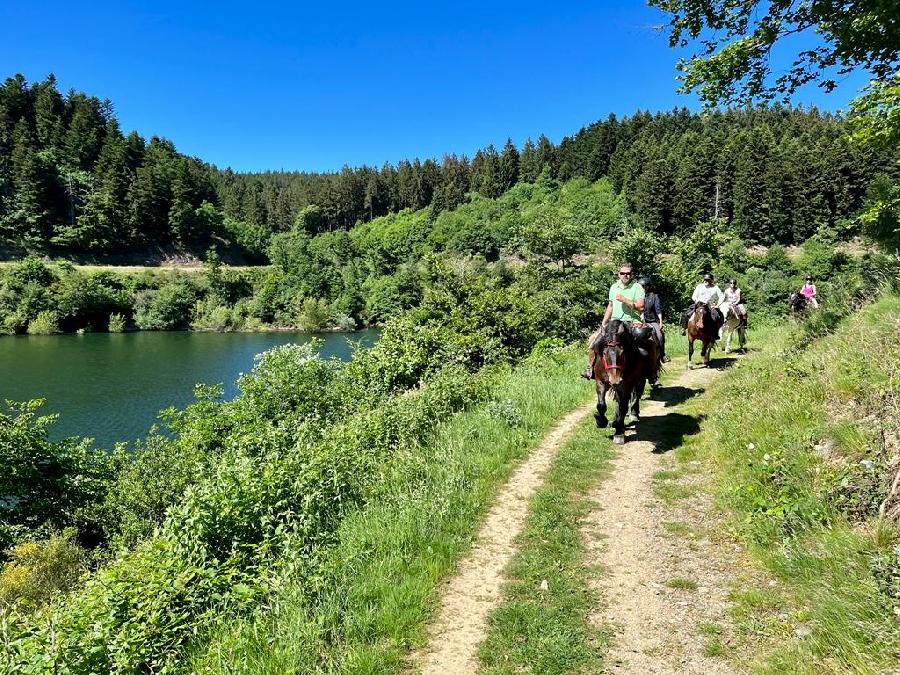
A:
(366, 603)
(810, 517)
(682, 584)
(670, 492)
(547, 631)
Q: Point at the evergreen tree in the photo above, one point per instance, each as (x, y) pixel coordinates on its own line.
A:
(508, 167)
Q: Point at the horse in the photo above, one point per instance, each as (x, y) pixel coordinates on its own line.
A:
(622, 365)
(702, 327)
(733, 322)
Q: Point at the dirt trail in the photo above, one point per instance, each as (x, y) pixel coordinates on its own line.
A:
(661, 588)
(461, 623)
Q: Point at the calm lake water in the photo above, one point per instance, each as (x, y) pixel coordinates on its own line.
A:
(112, 385)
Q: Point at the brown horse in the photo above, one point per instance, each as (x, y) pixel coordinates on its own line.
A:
(622, 366)
(702, 327)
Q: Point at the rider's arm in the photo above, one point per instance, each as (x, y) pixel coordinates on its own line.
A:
(696, 296)
(608, 313)
(737, 297)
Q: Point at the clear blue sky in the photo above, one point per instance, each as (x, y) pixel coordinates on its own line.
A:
(314, 86)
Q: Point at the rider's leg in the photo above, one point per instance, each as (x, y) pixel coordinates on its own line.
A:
(662, 346)
(685, 317)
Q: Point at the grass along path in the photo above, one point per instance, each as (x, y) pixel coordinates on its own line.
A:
(469, 596)
(542, 626)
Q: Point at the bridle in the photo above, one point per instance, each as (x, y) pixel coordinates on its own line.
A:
(606, 364)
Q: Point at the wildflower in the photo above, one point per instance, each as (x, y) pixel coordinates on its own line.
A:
(750, 446)
(767, 457)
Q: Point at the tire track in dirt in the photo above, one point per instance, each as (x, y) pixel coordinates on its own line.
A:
(657, 627)
(461, 623)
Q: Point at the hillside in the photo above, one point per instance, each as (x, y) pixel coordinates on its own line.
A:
(73, 183)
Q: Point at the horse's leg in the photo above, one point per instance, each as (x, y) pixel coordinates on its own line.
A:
(690, 352)
(619, 419)
(707, 350)
(600, 415)
(728, 339)
(635, 413)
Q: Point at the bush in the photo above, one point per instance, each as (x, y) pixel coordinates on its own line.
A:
(43, 324)
(168, 308)
(49, 485)
(116, 323)
(36, 571)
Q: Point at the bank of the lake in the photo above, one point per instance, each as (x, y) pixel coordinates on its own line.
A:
(112, 385)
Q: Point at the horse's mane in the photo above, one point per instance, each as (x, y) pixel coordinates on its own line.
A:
(617, 331)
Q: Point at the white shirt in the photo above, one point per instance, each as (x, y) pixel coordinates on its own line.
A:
(704, 293)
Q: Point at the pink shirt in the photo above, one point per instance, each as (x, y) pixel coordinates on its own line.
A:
(808, 290)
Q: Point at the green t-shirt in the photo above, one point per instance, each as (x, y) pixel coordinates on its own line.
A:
(634, 292)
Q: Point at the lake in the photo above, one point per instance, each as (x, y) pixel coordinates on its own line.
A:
(111, 386)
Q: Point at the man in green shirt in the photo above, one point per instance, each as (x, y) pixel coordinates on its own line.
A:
(626, 302)
(626, 298)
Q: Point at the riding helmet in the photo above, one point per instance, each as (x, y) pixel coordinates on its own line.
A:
(708, 277)
(644, 281)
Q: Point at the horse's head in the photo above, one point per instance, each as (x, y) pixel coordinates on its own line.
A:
(615, 344)
(701, 313)
(797, 302)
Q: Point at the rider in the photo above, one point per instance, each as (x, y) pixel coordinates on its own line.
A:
(653, 316)
(733, 297)
(705, 292)
(809, 292)
(626, 301)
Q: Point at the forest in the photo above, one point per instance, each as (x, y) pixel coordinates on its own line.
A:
(73, 183)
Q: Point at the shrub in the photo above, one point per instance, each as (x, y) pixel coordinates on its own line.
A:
(312, 315)
(168, 308)
(43, 324)
(116, 323)
(38, 570)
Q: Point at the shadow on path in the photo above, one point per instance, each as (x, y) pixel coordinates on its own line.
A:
(672, 396)
(666, 432)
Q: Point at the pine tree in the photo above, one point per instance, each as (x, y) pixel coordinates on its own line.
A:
(529, 163)
(49, 111)
(508, 167)
(28, 217)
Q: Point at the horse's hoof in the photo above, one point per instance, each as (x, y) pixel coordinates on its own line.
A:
(687, 367)
(619, 439)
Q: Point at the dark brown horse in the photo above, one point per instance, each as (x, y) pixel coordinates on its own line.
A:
(702, 327)
(622, 366)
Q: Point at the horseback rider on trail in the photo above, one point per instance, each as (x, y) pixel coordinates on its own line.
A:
(626, 302)
(705, 292)
(733, 298)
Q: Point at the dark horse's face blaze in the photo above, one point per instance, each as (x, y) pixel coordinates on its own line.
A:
(701, 312)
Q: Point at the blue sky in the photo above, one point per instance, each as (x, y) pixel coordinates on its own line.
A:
(313, 87)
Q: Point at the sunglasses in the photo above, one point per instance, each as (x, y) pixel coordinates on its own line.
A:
(625, 274)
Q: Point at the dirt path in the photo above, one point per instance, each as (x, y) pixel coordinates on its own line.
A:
(461, 623)
(665, 586)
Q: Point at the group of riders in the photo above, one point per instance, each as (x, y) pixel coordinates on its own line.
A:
(634, 303)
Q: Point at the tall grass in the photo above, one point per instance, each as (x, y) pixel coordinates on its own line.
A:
(367, 602)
